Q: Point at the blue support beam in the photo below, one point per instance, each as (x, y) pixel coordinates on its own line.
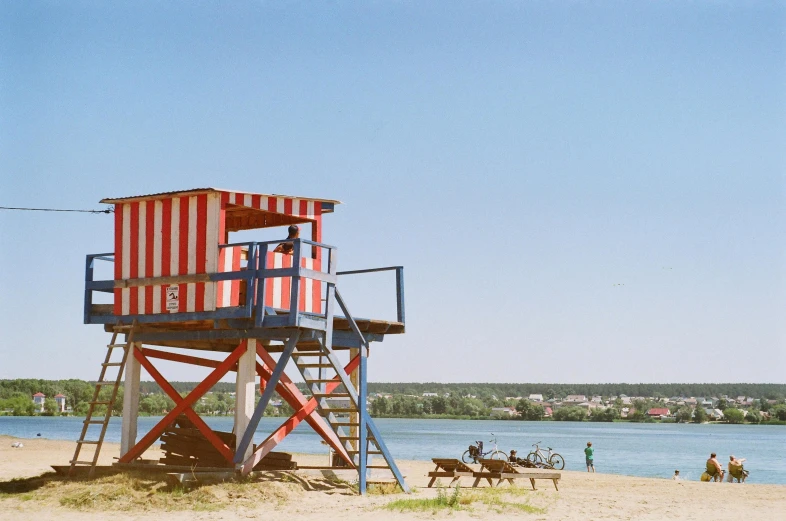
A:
(362, 433)
(270, 388)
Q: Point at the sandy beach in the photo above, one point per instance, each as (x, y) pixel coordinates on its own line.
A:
(581, 496)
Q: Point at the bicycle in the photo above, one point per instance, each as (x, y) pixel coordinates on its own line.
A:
(550, 459)
(475, 452)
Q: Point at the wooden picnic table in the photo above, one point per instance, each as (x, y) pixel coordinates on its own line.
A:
(491, 469)
(449, 468)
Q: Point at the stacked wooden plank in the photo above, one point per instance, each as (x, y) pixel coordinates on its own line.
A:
(184, 444)
(276, 461)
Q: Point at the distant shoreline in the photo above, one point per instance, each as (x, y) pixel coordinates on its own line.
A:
(447, 417)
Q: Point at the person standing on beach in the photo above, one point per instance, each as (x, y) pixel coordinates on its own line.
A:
(589, 455)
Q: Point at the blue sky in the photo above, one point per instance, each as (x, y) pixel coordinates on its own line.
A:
(579, 192)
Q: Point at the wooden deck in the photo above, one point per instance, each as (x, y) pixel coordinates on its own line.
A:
(372, 329)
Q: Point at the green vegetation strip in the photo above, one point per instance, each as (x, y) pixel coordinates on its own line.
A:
(496, 499)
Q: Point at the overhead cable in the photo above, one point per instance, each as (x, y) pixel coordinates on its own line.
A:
(108, 210)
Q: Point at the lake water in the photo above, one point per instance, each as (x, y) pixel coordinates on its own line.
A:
(635, 449)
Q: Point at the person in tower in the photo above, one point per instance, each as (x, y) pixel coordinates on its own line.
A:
(287, 247)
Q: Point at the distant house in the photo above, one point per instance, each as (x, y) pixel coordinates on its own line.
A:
(60, 399)
(338, 402)
(428, 395)
(715, 414)
(574, 399)
(535, 397)
(658, 412)
(38, 400)
(504, 411)
(625, 400)
(597, 399)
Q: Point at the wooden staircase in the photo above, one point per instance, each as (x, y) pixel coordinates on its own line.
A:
(344, 420)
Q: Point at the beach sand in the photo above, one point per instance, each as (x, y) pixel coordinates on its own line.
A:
(581, 496)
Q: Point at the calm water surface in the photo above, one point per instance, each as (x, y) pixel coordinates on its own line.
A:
(652, 450)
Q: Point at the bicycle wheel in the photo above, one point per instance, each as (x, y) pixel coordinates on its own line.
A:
(535, 458)
(467, 457)
(557, 461)
(498, 454)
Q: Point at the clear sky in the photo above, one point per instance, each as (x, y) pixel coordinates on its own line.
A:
(579, 191)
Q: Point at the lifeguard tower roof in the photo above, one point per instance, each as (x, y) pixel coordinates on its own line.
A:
(242, 210)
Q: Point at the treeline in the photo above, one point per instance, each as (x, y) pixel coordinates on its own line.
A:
(16, 398)
(559, 391)
(185, 387)
(452, 401)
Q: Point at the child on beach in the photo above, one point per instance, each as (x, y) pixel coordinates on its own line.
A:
(588, 453)
(676, 476)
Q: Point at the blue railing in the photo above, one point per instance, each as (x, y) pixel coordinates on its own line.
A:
(256, 276)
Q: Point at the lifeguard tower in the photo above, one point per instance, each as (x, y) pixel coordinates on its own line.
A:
(180, 283)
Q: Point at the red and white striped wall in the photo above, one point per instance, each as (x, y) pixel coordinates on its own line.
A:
(279, 289)
(165, 237)
(181, 234)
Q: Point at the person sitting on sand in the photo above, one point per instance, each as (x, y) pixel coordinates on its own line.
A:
(735, 470)
(287, 247)
(714, 469)
(522, 462)
(676, 476)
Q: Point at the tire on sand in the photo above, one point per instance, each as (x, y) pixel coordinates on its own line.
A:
(467, 458)
(557, 461)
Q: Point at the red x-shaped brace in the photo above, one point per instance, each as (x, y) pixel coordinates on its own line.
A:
(183, 405)
(305, 409)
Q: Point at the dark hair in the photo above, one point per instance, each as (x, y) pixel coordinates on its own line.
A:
(713, 455)
(293, 229)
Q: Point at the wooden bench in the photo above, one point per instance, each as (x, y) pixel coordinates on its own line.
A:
(500, 470)
(449, 468)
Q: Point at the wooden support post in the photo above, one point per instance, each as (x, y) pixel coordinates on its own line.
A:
(130, 401)
(248, 434)
(244, 391)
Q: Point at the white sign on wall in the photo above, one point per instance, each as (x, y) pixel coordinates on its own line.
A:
(172, 298)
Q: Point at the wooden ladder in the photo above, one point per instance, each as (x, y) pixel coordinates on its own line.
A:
(128, 331)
